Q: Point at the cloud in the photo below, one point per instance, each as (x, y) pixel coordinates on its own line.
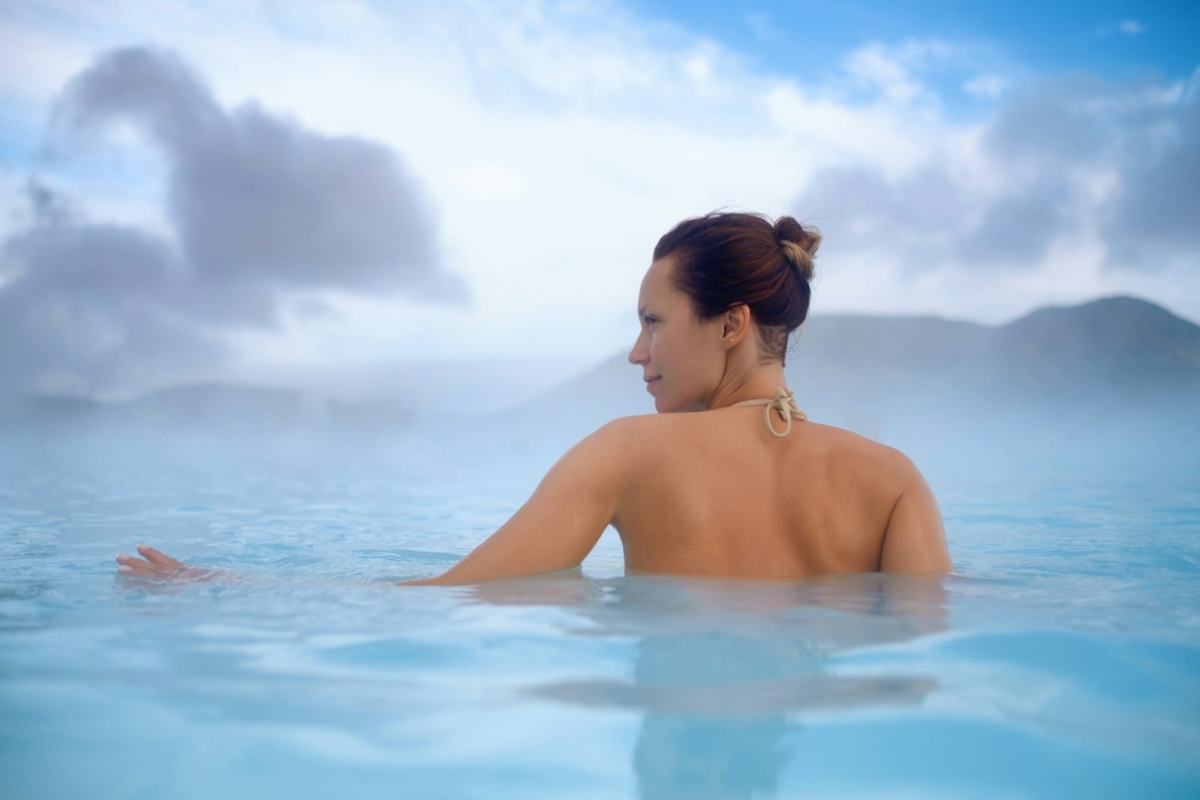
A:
(261, 209)
(985, 87)
(1125, 27)
(893, 70)
(1149, 221)
(92, 305)
(1064, 158)
(558, 141)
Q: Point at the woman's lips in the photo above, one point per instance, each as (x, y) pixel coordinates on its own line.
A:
(650, 382)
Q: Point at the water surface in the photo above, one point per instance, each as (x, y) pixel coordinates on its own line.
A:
(1062, 661)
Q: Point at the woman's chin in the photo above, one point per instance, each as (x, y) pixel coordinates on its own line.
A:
(666, 405)
(667, 402)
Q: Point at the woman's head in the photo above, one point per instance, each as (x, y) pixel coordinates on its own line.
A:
(720, 285)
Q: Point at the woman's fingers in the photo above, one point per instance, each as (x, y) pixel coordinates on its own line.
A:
(135, 565)
(155, 557)
(160, 565)
(132, 565)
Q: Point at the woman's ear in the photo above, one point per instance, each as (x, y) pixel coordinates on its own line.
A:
(734, 325)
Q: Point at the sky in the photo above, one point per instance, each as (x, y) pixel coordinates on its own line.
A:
(235, 189)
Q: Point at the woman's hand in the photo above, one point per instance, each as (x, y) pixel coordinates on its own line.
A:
(154, 564)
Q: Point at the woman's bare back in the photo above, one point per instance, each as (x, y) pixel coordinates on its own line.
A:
(714, 493)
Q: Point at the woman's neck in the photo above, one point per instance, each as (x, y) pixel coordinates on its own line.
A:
(749, 383)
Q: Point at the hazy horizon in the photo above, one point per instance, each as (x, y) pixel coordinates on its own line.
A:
(423, 384)
(187, 190)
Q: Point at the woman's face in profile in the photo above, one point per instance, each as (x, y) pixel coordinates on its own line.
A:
(682, 358)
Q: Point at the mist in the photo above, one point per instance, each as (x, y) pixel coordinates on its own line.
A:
(1102, 392)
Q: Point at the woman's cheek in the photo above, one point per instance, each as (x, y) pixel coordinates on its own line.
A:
(659, 350)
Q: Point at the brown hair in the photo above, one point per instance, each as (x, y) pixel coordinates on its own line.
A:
(725, 259)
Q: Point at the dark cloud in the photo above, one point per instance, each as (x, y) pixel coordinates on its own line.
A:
(86, 307)
(262, 209)
(1017, 229)
(1047, 150)
(1151, 220)
(1056, 119)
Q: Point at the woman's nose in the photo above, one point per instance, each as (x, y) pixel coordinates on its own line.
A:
(638, 355)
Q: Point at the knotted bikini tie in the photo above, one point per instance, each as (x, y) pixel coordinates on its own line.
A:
(785, 403)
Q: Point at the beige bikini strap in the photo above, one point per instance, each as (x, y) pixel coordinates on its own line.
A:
(785, 402)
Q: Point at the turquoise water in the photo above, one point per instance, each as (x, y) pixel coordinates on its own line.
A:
(1063, 661)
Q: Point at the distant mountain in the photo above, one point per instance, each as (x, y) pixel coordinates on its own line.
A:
(1117, 350)
(1121, 343)
(890, 377)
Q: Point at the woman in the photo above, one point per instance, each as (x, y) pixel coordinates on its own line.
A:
(716, 493)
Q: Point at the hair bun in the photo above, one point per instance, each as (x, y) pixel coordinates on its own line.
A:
(799, 258)
(798, 243)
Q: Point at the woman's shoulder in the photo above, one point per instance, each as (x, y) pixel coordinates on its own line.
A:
(641, 433)
(633, 429)
(621, 433)
(643, 427)
(860, 456)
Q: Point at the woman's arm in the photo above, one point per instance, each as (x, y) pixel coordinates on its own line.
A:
(555, 529)
(915, 540)
(560, 523)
